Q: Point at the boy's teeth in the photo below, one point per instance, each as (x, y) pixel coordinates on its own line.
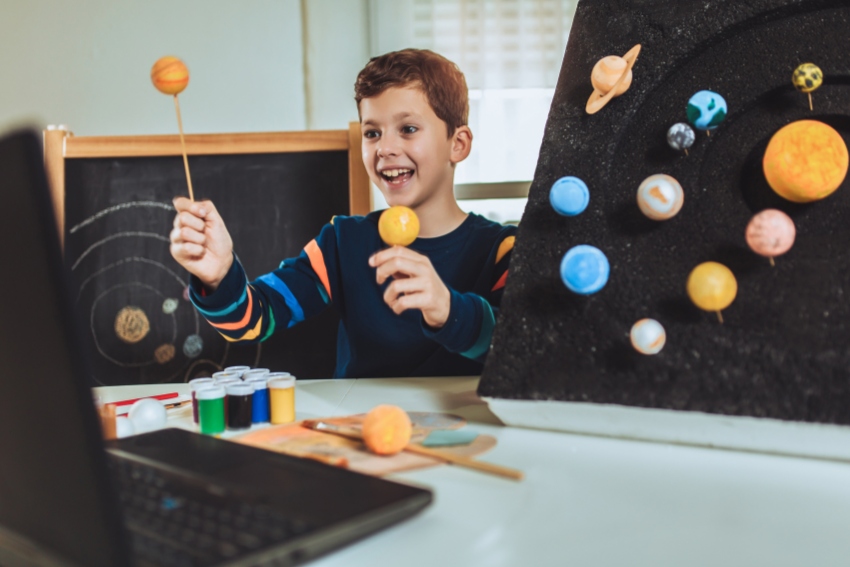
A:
(395, 172)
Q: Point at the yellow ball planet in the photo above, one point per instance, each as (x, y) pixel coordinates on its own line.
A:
(805, 161)
(398, 226)
(712, 286)
(169, 75)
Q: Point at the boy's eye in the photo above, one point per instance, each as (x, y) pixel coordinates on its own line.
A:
(409, 129)
(370, 134)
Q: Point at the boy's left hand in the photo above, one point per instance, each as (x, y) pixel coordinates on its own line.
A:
(415, 284)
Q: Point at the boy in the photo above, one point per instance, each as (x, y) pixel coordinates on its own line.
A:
(423, 310)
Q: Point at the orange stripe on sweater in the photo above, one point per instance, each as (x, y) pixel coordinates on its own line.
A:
(317, 261)
(243, 322)
(501, 283)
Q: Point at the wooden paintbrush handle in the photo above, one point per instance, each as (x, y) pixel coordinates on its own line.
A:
(465, 462)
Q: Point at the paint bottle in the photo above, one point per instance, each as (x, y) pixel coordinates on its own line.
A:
(196, 385)
(239, 405)
(254, 373)
(282, 398)
(260, 408)
(225, 376)
(211, 409)
(239, 370)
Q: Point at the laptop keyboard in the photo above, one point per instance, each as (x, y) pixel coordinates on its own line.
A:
(172, 523)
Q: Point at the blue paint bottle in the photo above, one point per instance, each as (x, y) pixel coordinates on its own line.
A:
(260, 410)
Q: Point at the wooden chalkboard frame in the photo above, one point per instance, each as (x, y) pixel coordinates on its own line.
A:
(62, 144)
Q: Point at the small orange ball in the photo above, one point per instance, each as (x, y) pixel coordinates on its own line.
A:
(169, 75)
(386, 430)
(805, 161)
(398, 226)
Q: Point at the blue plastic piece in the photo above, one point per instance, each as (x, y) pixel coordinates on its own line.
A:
(585, 269)
(569, 196)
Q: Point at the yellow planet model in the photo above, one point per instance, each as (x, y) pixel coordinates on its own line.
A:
(169, 75)
(398, 226)
(712, 286)
(805, 161)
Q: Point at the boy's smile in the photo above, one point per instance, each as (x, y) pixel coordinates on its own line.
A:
(406, 148)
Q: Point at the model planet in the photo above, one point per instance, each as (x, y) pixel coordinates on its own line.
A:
(680, 137)
(585, 269)
(771, 233)
(712, 286)
(398, 226)
(706, 110)
(648, 336)
(805, 161)
(807, 77)
(169, 75)
(569, 196)
(610, 77)
(660, 197)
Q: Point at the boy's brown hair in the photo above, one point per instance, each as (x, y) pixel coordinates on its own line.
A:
(441, 80)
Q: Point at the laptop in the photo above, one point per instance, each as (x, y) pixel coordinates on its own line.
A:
(170, 497)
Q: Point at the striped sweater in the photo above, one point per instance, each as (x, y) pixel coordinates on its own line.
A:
(333, 270)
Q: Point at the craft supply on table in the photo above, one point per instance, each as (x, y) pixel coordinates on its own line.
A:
(449, 438)
(282, 399)
(254, 373)
(294, 439)
(398, 226)
(147, 415)
(260, 410)
(770, 233)
(238, 370)
(196, 384)
(239, 405)
(211, 410)
(611, 76)
(648, 336)
(569, 196)
(386, 429)
(585, 269)
(168, 396)
(660, 197)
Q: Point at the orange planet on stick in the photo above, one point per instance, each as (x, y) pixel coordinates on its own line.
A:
(805, 161)
(398, 226)
(169, 75)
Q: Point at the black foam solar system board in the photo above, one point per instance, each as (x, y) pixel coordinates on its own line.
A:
(783, 350)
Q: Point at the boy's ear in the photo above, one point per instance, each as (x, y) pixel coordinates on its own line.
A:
(461, 144)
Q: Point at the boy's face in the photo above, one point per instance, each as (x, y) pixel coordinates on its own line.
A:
(406, 147)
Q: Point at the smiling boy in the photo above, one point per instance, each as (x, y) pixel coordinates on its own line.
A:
(423, 310)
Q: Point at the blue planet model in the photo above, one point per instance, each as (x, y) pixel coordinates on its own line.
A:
(569, 196)
(585, 269)
(706, 110)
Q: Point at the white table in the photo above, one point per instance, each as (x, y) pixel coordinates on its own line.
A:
(586, 500)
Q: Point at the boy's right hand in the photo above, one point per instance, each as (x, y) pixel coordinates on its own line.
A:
(200, 241)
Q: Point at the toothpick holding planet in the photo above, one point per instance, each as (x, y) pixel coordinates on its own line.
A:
(171, 76)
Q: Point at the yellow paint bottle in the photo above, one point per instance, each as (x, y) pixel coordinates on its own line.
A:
(281, 387)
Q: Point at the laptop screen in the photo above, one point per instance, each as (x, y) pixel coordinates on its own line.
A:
(54, 493)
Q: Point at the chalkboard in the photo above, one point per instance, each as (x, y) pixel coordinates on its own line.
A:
(132, 295)
(781, 351)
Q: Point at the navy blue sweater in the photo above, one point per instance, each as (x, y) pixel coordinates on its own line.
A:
(373, 341)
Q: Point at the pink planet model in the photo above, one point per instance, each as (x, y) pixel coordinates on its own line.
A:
(771, 233)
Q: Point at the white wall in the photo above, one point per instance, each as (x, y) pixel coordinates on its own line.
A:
(87, 64)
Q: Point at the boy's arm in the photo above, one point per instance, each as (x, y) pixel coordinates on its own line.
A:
(461, 322)
(298, 289)
(472, 317)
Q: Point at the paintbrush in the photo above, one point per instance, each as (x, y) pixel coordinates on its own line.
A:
(467, 462)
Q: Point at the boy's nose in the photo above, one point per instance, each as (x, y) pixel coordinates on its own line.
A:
(387, 149)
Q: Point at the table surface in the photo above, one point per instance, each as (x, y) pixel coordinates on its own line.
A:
(585, 500)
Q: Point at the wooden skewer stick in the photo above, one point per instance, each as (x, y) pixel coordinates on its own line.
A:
(720, 317)
(183, 145)
(810, 102)
(419, 449)
(772, 263)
